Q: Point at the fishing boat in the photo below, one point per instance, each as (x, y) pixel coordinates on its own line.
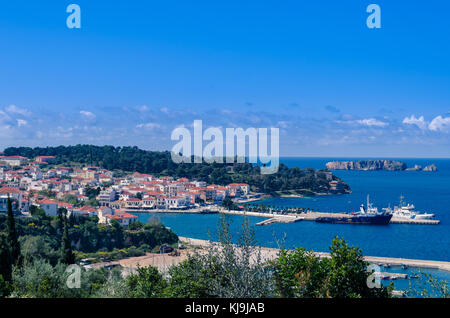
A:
(365, 215)
(406, 211)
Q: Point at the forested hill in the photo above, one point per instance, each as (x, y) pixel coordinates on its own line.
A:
(131, 159)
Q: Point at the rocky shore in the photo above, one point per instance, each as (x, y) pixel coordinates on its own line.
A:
(370, 165)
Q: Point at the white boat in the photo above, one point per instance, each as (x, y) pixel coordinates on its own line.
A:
(406, 211)
(370, 209)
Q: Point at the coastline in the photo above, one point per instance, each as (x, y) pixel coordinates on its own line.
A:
(164, 261)
(268, 253)
(297, 195)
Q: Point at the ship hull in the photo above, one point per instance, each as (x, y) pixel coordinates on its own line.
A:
(358, 219)
(424, 216)
(414, 216)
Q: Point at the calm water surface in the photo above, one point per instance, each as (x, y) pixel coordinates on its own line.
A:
(428, 191)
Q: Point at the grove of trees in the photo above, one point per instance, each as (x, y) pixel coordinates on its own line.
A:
(131, 159)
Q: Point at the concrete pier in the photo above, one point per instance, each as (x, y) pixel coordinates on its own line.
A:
(414, 221)
(445, 266)
(312, 216)
(392, 276)
(279, 218)
(271, 253)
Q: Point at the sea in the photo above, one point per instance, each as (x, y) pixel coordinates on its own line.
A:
(428, 191)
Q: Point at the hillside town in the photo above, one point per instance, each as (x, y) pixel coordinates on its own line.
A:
(38, 182)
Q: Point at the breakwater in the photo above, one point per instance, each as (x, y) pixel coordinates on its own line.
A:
(312, 216)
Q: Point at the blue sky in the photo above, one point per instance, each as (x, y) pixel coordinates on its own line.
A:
(138, 69)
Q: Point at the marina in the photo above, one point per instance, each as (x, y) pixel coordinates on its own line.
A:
(313, 216)
(280, 218)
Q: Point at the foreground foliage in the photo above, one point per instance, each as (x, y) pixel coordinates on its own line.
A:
(232, 268)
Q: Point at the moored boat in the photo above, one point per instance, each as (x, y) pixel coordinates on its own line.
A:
(368, 215)
(406, 211)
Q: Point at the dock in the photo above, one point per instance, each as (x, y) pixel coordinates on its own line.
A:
(392, 276)
(280, 219)
(402, 262)
(414, 221)
(271, 253)
(312, 216)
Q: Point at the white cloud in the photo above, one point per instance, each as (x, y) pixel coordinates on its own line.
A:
(13, 109)
(372, 122)
(21, 122)
(87, 114)
(4, 117)
(440, 123)
(149, 126)
(282, 124)
(419, 122)
(142, 108)
(164, 110)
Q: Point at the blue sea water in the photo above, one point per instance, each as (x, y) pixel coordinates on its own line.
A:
(428, 191)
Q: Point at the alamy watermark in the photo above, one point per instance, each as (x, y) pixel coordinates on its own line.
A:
(374, 19)
(74, 278)
(73, 21)
(235, 143)
(374, 279)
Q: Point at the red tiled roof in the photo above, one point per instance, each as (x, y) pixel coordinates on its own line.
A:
(12, 157)
(47, 201)
(9, 190)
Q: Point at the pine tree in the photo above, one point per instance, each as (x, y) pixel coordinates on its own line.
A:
(67, 256)
(13, 243)
(5, 260)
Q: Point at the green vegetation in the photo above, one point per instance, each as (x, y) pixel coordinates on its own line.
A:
(12, 236)
(343, 275)
(133, 159)
(35, 251)
(238, 271)
(233, 269)
(67, 256)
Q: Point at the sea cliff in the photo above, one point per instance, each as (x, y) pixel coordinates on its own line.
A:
(389, 165)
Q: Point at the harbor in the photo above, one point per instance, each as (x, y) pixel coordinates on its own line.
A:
(278, 218)
(313, 216)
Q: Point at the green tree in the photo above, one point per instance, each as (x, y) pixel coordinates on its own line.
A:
(348, 275)
(146, 283)
(12, 241)
(5, 267)
(35, 247)
(67, 256)
(343, 275)
(192, 279)
(298, 274)
(40, 279)
(35, 211)
(117, 233)
(227, 203)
